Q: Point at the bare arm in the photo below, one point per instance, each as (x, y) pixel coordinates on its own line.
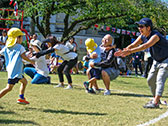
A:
(144, 46)
(26, 58)
(153, 40)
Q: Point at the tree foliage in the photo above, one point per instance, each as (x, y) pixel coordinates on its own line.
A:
(83, 14)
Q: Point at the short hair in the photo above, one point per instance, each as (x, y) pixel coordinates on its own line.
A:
(4, 31)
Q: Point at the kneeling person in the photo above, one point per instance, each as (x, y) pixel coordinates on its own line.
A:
(39, 74)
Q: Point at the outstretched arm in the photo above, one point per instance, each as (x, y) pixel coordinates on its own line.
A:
(127, 51)
(44, 52)
(26, 58)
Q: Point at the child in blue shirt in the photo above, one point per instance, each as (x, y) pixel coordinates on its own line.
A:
(14, 52)
(95, 72)
(85, 64)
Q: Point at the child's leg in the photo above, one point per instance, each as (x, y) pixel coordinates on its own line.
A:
(22, 100)
(92, 82)
(6, 90)
(23, 86)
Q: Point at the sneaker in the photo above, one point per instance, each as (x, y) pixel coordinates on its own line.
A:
(151, 105)
(22, 101)
(86, 85)
(97, 91)
(91, 91)
(152, 101)
(68, 87)
(107, 92)
(49, 80)
(59, 85)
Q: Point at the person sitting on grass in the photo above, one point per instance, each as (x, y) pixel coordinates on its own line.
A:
(14, 52)
(39, 74)
(94, 73)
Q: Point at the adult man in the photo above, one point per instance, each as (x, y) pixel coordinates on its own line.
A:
(158, 49)
(108, 64)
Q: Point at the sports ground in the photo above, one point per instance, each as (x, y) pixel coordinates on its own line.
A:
(51, 106)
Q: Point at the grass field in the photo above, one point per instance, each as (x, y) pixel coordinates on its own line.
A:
(51, 106)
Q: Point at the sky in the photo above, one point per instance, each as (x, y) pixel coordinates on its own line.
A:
(165, 1)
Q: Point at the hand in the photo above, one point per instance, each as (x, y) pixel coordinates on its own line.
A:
(93, 55)
(91, 64)
(125, 52)
(118, 53)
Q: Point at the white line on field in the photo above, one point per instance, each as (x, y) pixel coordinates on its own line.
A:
(164, 115)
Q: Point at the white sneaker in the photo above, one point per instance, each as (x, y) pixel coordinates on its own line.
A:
(107, 92)
(68, 87)
(59, 85)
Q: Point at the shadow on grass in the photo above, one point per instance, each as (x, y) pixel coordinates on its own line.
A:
(7, 112)
(134, 95)
(24, 122)
(74, 113)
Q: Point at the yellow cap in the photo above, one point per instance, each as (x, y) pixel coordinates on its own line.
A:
(13, 33)
(90, 45)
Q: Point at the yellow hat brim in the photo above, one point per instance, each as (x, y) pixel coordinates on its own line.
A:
(11, 41)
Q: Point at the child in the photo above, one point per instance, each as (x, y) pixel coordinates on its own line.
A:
(85, 64)
(14, 52)
(39, 74)
(95, 72)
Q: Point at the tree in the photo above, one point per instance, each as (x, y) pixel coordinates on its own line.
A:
(83, 14)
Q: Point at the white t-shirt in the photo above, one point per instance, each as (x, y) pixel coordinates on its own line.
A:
(41, 65)
(63, 51)
(69, 45)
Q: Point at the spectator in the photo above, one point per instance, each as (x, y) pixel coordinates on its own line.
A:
(39, 74)
(85, 64)
(158, 46)
(136, 61)
(53, 63)
(148, 62)
(3, 39)
(94, 72)
(33, 38)
(70, 59)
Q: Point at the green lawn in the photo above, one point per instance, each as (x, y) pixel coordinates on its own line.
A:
(51, 106)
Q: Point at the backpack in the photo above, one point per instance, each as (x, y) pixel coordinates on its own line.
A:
(121, 64)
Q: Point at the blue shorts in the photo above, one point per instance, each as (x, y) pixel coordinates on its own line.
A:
(95, 73)
(14, 81)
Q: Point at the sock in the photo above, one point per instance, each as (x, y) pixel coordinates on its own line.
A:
(21, 96)
(90, 88)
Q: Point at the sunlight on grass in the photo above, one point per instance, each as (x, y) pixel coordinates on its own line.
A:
(59, 107)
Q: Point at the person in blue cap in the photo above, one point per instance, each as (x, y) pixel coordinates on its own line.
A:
(158, 46)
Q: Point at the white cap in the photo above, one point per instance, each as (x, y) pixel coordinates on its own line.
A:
(36, 43)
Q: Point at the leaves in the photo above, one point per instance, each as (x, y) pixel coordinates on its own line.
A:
(85, 13)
